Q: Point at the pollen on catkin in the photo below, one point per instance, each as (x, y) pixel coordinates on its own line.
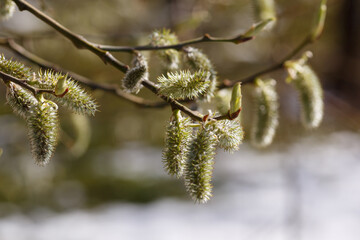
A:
(199, 167)
(43, 128)
(184, 84)
(308, 86)
(196, 60)
(169, 57)
(7, 9)
(266, 119)
(76, 99)
(20, 100)
(177, 140)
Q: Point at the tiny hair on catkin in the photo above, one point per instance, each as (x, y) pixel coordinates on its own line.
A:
(196, 60)
(75, 99)
(184, 84)
(177, 139)
(199, 167)
(230, 134)
(43, 128)
(20, 100)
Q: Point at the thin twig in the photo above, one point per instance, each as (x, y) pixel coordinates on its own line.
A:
(12, 45)
(206, 38)
(277, 66)
(79, 41)
(23, 83)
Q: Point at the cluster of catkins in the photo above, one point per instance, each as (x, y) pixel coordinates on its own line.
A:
(190, 145)
(40, 111)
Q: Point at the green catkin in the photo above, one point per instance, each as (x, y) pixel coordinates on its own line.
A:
(20, 100)
(7, 9)
(177, 140)
(43, 126)
(169, 57)
(198, 171)
(266, 118)
(183, 84)
(76, 99)
(196, 60)
(230, 134)
(310, 92)
(15, 69)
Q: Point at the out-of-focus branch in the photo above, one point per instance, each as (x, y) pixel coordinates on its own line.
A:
(277, 66)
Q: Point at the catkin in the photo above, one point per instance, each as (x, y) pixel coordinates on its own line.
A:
(310, 93)
(20, 100)
(177, 140)
(266, 113)
(42, 124)
(198, 171)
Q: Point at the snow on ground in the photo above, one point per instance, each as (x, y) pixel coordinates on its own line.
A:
(309, 191)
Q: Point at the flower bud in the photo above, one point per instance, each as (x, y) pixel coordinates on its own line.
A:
(235, 103)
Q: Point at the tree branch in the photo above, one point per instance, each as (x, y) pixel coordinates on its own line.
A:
(79, 41)
(23, 83)
(277, 66)
(206, 38)
(12, 45)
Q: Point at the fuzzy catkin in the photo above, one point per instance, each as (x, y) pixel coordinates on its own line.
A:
(20, 100)
(183, 84)
(15, 69)
(230, 134)
(170, 57)
(42, 124)
(177, 140)
(132, 80)
(198, 171)
(310, 92)
(76, 99)
(266, 113)
(197, 60)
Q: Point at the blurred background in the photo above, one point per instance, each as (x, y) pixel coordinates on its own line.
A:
(106, 180)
